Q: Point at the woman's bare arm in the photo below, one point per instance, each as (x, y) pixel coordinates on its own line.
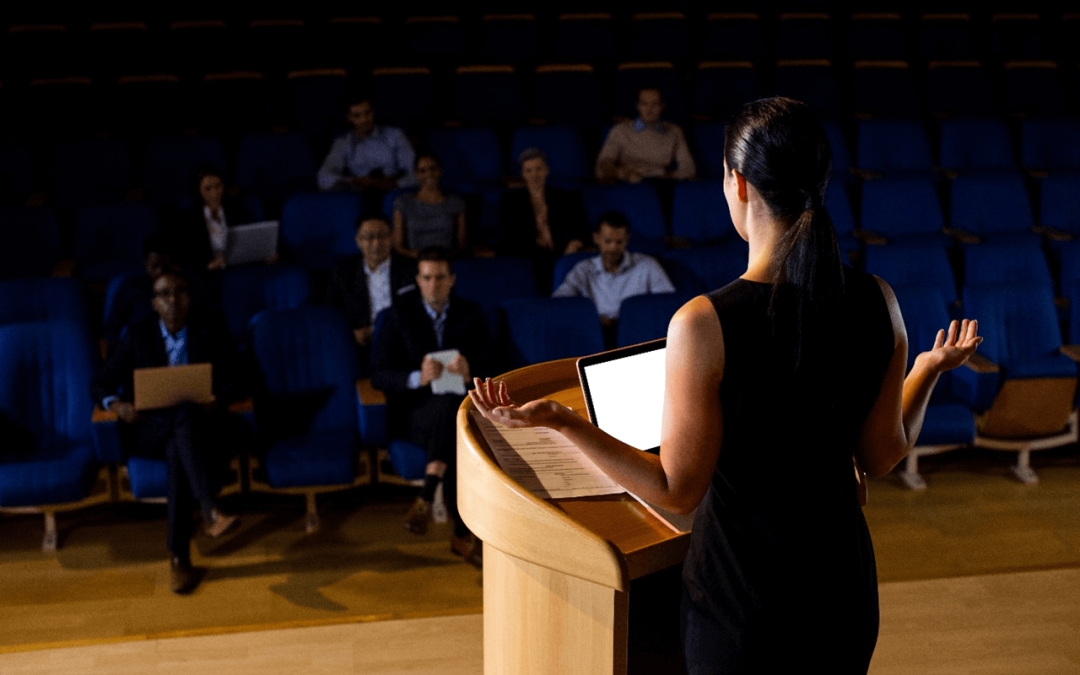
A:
(461, 236)
(399, 235)
(892, 428)
(692, 427)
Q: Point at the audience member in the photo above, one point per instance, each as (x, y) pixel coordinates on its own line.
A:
(363, 285)
(404, 367)
(615, 274)
(200, 237)
(646, 147)
(372, 159)
(429, 217)
(540, 222)
(185, 435)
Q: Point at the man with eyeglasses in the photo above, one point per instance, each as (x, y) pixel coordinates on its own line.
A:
(364, 284)
(185, 436)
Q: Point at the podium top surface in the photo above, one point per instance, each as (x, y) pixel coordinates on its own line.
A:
(609, 539)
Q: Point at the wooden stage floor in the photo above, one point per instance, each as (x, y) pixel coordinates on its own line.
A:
(979, 574)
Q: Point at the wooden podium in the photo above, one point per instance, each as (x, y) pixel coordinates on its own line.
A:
(580, 585)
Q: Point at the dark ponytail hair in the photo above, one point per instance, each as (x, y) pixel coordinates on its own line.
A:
(780, 147)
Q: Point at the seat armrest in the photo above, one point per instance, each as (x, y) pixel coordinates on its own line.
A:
(105, 433)
(1072, 351)
(870, 237)
(980, 364)
(1052, 233)
(963, 236)
(368, 394)
(242, 407)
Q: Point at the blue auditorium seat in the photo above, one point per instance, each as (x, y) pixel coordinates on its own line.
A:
(274, 166)
(975, 144)
(37, 299)
(705, 268)
(45, 371)
(646, 317)
(699, 212)
(488, 95)
(470, 158)
(246, 291)
(171, 163)
(316, 227)
(491, 281)
(992, 206)
(1050, 144)
(306, 412)
(1022, 380)
(31, 241)
(903, 209)
(568, 94)
(109, 239)
(893, 146)
(545, 329)
(914, 265)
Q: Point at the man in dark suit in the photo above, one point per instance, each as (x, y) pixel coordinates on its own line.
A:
(363, 285)
(417, 326)
(182, 434)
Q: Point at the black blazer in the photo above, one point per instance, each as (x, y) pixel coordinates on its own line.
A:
(409, 333)
(517, 222)
(143, 347)
(348, 289)
(189, 240)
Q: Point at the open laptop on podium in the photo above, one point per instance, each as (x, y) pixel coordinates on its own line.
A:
(624, 393)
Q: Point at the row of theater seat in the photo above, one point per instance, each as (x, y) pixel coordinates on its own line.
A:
(505, 95)
(567, 32)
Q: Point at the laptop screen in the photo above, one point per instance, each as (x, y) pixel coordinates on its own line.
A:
(624, 391)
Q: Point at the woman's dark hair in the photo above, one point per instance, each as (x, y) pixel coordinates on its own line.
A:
(426, 153)
(780, 147)
(202, 171)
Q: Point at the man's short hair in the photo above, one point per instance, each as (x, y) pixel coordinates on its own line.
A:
(379, 216)
(616, 219)
(651, 87)
(531, 153)
(358, 97)
(436, 254)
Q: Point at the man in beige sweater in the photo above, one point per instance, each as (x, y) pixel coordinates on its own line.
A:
(646, 147)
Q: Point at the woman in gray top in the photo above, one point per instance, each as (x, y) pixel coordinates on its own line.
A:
(430, 217)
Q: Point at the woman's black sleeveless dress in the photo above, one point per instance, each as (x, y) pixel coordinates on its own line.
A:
(780, 575)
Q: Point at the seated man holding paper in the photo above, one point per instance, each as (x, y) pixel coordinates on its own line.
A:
(173, 418)
(430, 346)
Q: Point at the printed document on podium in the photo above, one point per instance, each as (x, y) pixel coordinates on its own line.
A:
(544, 462)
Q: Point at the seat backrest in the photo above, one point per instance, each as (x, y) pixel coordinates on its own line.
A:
(893, 145)
(991, 203)
(45, 371)
(31, 241)
(246, 291)
(491, 281)
(308, 353)
(646, 317)
(710, 267)
(699, 212)
(470, 158)
(976, 143)
(1006, 263)
(913, 265)
(42, 299)
(901, 205)
(1017, 322)
(275, 165)
(318, 226)
(109, 239)
(171, 163)
(1060, 202)
(1050, 144)
(545, 329)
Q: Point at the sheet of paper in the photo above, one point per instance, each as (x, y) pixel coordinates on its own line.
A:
(544, 462)
(447, 383)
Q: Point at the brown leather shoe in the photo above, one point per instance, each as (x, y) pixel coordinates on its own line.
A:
(470, 548)
(418, 517)
(183, 578)
(220, 523)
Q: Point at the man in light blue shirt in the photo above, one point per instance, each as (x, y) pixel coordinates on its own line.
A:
(614, 275)
(370, 157)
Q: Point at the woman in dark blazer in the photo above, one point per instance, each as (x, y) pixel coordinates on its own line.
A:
(541, 222)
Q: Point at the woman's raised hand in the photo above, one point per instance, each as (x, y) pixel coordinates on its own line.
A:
(492, 399)
(952, 349)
